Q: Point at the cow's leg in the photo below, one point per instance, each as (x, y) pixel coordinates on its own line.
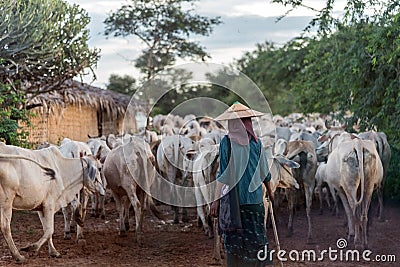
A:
(327, 199)
(76, 217)
(120, 208)
(5, 221)
(309, 193)
(126, 204)
(47, 219)
(335, 210)
(364, 217)
(355, 214)
(217, 243)
(171, 174)
(93, 200)
(200, 210)
(357, 228)
(138, 212)
(319, 191)
(291, 196)
(380, 206)
(79, 229)
(67, 223)
(101, 200)
(185, 183)
(350, 221)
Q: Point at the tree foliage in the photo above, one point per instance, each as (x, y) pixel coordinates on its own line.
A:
(12, 114)
(273, 69)
(122, 84)
(165, 27)
(43, 43)
(350, 65)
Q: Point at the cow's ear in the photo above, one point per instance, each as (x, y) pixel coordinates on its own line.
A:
(81, 154)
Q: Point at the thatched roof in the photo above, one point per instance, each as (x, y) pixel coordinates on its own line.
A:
(81, 94)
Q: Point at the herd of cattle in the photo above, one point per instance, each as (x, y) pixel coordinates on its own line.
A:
(304, 155)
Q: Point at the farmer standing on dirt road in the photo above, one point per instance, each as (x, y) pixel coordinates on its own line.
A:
(239, 198)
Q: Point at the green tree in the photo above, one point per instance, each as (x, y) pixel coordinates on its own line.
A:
(273, 69)
(164, 26)
(122, 84)
(43, 43)
(11, 115)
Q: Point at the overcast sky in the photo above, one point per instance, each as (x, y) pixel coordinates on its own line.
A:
(245, 23)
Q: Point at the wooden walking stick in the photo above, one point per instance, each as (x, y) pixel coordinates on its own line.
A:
(274, 228)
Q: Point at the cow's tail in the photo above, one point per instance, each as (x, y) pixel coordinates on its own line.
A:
(359, 151)
(48, 171)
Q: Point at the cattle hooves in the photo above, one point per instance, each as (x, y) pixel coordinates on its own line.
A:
(199, 222)
(321, 212)
(139, 239)
(81, 242)
(67, 236)
(103, 217)
(55, 255)
(289, 233)
(217, 262)
(122, 233)
(20, 259)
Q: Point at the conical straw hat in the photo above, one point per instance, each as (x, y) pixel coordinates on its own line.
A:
(236, 111)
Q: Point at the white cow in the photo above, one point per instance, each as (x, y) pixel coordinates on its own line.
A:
(355, 166)
(99, 146)
(124, 167)
(171, 154)
(25, 186)
(75, 149)
(302, 152)
(112, 141)
(320, 178)
(383, 148)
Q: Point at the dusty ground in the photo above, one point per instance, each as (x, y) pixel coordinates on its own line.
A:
(185, 244)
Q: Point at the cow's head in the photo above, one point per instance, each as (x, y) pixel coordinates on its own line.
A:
(92, 175)
(281, 172)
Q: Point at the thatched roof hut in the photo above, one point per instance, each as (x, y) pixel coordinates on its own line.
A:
(79, 110)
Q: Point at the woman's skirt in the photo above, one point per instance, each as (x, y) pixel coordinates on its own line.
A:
(248, 243)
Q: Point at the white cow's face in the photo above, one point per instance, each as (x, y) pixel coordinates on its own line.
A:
(92, 179)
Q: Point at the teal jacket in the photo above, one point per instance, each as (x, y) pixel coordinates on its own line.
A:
(247, 167)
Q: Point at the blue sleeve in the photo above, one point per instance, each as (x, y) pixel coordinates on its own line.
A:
(223, 176)
(265, 174)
